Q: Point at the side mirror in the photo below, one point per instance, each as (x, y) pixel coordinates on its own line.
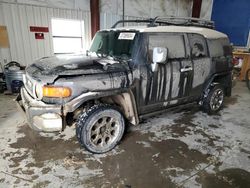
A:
(159, 56)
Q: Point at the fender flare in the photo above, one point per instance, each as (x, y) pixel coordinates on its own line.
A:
(211, 82)
(75, 103)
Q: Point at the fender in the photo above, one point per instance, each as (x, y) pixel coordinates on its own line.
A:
(210, 82)
(127, 94)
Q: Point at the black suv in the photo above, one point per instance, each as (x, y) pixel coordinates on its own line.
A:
(129, 73)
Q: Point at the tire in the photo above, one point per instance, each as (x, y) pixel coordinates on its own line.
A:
(100, 128)
(248, 79)
(214, 100)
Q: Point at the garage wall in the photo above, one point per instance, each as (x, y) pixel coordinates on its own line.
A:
(4, 52)
(24, 48)
(206, 9)
(234, 20)
(64, 4)
(148, 8)
(111, 10)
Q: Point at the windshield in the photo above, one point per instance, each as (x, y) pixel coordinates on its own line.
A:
(118, 44)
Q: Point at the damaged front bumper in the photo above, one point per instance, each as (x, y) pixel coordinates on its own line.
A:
(40, 116)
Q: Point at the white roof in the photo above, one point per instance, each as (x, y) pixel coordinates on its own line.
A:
(207, 33)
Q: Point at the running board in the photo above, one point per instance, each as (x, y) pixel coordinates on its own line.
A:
(167, 110)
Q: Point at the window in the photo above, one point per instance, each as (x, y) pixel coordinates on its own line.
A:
(173, 42)
(198, 46)
(114, 44)
(219, 47)
(67, 36)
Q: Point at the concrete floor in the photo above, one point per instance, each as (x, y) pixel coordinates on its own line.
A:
(182, 149)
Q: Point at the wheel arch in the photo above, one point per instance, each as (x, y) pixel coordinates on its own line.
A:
(224, 78)
(126, 103)
(123, 99)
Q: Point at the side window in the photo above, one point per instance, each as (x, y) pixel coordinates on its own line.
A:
(198, 46)
(173, 42)
(219, 47)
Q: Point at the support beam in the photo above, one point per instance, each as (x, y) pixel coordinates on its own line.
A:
(196, 8)
(123, 11)
(95, 16)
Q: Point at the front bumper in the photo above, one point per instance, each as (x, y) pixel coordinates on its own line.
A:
(40, 116)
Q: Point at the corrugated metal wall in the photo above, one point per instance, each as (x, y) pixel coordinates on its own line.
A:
(148, 8)
(108, 19)
(18, 18)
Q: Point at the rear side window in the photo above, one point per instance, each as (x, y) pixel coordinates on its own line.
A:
(198, 46)
(219, 47)
(173, 42)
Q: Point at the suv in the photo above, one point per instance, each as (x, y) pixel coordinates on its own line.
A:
(128, 73)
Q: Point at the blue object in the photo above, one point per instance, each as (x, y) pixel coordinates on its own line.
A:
(233, 18)
(16, 86)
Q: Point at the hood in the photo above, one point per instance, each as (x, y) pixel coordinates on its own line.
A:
(49, 68)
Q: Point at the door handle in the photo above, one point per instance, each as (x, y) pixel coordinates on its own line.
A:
(186, 69)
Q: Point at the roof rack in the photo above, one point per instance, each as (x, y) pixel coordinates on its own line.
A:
(178, 21)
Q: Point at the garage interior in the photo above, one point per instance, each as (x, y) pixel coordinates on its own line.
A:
(181, 148)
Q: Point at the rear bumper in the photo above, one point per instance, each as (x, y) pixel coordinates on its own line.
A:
(40, 116)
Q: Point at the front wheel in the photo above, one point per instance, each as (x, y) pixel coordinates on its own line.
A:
(214, 100)
(100, 128)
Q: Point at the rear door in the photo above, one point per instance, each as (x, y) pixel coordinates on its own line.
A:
(201, 63)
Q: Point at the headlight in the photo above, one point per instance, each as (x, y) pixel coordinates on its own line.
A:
(24, 79)
(39, 91)
(56, 91)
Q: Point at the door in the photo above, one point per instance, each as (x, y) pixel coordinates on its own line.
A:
(201, 63)
(165, 86)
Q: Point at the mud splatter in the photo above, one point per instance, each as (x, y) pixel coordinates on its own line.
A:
(230, 178)
(42, 148)
(139, 161)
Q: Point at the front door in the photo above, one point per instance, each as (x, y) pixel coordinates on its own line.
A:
(172, 79)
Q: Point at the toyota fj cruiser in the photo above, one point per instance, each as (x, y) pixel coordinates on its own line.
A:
(127, 74)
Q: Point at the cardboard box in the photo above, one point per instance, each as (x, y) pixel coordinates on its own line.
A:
(4, 40)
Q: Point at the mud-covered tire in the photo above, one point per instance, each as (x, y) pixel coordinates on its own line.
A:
(214, 100)
(248, 78)
(100, 128)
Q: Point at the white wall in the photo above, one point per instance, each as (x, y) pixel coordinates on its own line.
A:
(206, 9)
(64, 4)
(18, 18)
(148, 8)
(111, 10)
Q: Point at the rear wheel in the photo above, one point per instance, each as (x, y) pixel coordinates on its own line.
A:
(214, 100)
(100, 128)
(248, 78)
